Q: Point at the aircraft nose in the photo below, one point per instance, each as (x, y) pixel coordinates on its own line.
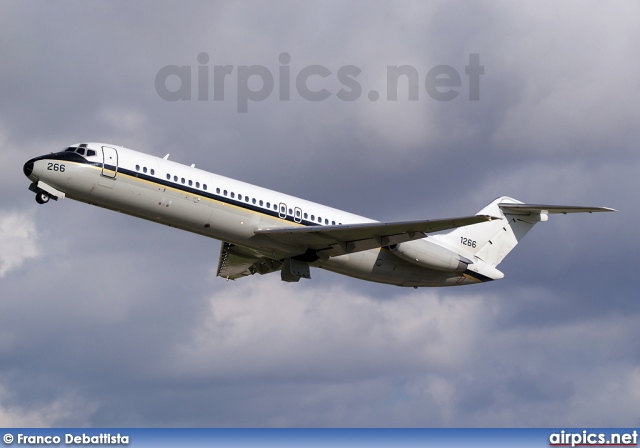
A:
(28, 168)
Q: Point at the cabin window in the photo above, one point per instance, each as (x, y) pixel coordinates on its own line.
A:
(313, 217)
(168, 176)
(333, 223)
(182, 180)
(153, 172)
(137, 167)
(190, 183)
(319, 219)
(233, 195)
(326, 221)
(261, 202)
(144, 169)
(175, 178)
(204, 186)
(225, 192)
(246, 199)
(197, 184)
(253, 200)
(305, 216)
(218, 190)
(275, 207)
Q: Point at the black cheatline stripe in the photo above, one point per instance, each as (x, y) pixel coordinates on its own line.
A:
(68, 156)
(482, 278)
(73, 157)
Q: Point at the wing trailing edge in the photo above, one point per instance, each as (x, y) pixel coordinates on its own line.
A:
(332, 241)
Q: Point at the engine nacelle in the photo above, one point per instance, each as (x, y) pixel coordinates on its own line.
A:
(430, 255)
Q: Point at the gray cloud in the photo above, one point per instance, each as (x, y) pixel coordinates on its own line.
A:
(108, 320)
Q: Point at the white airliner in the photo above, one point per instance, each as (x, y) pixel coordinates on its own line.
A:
(263, 231)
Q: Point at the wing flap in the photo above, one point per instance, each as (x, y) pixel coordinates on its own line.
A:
(343, 239)
(236, 262)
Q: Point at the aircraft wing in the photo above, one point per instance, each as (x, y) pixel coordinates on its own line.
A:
(238, 261)
(527, 209)
(338, 240)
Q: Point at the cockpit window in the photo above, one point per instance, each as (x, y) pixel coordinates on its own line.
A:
(82, 150)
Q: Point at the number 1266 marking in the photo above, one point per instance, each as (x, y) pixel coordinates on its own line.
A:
(468, 242)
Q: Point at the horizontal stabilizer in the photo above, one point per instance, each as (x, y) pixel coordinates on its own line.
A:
(526, 209)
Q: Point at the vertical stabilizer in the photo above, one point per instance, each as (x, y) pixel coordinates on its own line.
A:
(492, 241)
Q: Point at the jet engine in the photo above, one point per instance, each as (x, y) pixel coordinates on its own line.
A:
(430, 255)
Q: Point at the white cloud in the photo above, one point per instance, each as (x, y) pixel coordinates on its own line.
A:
(416, 358)
(30, 414)
(18, 239)
(265, 324)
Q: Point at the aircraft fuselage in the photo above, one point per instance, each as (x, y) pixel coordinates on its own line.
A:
(185, 197)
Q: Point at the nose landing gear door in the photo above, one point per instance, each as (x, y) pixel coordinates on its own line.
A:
(109, 162)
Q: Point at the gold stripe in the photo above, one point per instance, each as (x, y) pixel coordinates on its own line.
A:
(158, 185)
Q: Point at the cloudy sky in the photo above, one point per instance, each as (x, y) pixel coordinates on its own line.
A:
(106, 320)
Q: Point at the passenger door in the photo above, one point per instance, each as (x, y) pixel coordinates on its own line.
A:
(109, 162)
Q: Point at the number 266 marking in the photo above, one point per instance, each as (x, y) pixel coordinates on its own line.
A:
(55, 167)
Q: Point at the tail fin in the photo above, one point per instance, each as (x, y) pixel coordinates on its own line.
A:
(491, 241)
